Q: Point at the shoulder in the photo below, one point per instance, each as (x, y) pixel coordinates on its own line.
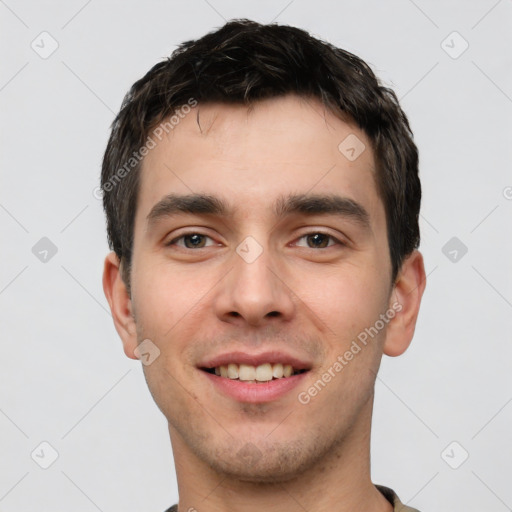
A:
(392, 497)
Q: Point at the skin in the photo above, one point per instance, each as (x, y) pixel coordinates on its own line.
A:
(193, 303)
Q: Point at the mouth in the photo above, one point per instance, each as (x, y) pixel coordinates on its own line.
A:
(263, 378)
(250, 374)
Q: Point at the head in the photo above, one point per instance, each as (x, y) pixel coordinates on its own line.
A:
(262, 195)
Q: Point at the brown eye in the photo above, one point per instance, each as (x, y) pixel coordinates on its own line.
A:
(195, 240)
(191, 241)
(318, 240)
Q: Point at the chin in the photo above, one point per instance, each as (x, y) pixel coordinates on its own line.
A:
(262, 473)
(272, 463)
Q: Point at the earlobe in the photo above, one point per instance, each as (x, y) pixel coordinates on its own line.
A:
(120, 304)
(405, 300)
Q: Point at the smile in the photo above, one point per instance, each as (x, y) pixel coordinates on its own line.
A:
(254, 374)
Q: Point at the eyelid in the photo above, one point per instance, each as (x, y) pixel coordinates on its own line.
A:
(322, 232)
(180, 236)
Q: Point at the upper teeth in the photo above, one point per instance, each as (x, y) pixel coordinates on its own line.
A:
(261, 373)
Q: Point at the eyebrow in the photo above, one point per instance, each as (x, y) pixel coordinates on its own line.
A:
(304, 204)
(198, 204)
(319, 204)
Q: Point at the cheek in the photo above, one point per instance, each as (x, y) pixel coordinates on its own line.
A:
(171, 307)
(348, 303)
(168, 304)
(347, 299)
(164, 293)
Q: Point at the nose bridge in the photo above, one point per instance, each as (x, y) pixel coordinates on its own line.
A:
(252, 290)
(252, 269)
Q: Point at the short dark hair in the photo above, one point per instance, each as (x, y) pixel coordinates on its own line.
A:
(241, 63)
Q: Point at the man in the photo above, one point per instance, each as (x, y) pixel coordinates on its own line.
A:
(262, 198)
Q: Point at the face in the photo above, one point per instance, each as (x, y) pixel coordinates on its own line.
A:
(278, 254)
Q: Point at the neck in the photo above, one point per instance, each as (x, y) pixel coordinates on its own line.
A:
(338, 482)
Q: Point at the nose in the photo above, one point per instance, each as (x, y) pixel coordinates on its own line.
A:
(255, 291)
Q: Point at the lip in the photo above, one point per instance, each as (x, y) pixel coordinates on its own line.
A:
(255, 392)
(239, 357)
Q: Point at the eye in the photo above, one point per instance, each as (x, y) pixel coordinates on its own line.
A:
(191, 241)
(319, 240)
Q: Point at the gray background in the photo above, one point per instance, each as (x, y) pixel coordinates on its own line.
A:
(64, 377)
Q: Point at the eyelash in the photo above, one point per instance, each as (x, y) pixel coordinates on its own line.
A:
(191, 233)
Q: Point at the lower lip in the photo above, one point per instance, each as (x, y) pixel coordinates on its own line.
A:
(255, 392)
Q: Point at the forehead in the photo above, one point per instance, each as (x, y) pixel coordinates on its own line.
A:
(252, 155)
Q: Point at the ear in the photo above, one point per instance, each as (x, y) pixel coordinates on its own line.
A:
(120, 304)
(405, 300)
